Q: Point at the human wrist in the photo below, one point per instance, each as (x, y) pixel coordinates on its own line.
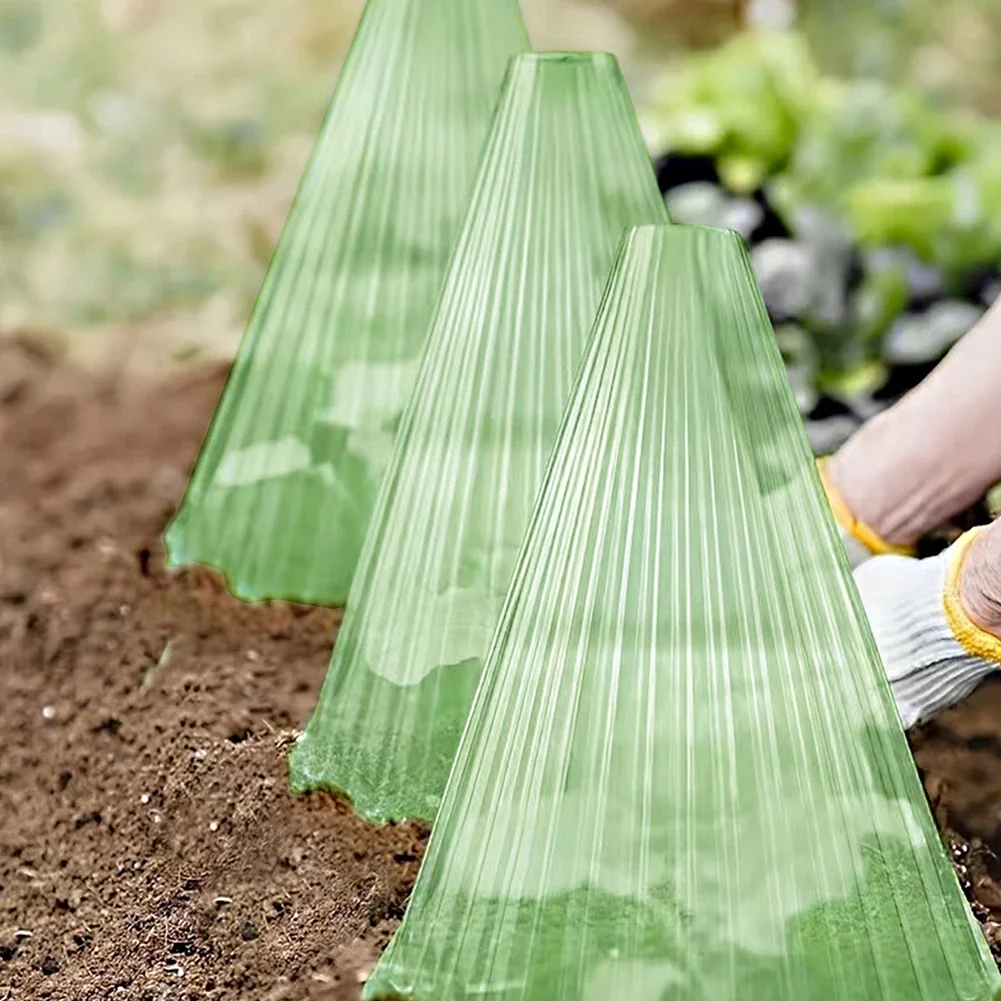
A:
(860, 538)
(902, 483)
(979, 580)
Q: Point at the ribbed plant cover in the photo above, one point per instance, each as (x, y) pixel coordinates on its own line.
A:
(565, 173)
(684, 778)
(284, 488)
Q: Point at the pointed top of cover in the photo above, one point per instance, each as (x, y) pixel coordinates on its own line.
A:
(284, 487)
(565, 172)
(683, 778)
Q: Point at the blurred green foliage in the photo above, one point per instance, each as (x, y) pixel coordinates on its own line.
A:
(891, 193)
(898, 170)
(149, 151)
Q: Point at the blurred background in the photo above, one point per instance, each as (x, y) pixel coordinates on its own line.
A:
(149, 151)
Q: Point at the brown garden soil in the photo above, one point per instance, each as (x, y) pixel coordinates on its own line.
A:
(148, 847)
(147, 841)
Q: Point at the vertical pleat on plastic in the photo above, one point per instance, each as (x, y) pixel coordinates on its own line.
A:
(283, 490)
(564, 174)
(683, 777)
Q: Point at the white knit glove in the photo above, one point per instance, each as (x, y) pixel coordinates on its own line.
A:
(934, 654)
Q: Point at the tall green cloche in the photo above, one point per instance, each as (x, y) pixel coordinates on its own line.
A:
(565, 173)
(684, 777)
(284, 487)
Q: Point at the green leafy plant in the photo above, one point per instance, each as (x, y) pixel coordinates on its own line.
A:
(852, 168)
(760, 106)
(742, 104)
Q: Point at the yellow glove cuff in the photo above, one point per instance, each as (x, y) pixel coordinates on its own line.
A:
(858, 530)
(975, 641)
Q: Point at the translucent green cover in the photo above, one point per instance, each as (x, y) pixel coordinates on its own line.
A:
(565, 172)
(284, 487)
(684, 778)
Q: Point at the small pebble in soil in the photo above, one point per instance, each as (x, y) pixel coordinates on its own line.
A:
(743, 216)
(144, 798)
(827, 436)
(924, 337)
(925, 282)
(49, 966)
(249, 932)
(801, 380)
(697, 204)
(785, 273)
(214, 826)
(48, 712)
(770, 14)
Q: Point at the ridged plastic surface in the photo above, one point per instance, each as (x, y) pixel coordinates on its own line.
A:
(284, 487)
(684, 778)
(565, 173)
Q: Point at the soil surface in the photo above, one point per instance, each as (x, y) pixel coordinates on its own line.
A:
(148, 847)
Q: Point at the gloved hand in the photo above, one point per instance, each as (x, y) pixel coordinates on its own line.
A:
(934, 652)
(861, 541)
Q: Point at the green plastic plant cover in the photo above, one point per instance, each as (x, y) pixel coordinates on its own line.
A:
(564, 174)
(283, 490)
(683, 777)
